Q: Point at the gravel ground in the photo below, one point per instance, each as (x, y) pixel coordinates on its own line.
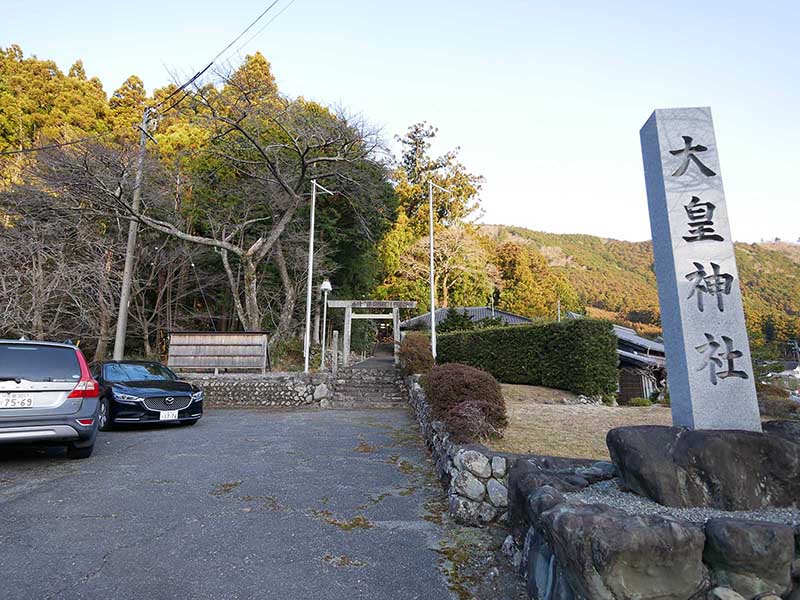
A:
(611, 494)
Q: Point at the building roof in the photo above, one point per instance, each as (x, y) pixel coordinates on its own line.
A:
(640, 360)
(631, 337)
(476, 313)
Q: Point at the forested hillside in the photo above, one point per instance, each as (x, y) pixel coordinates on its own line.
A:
(617, 277)
(224, 212)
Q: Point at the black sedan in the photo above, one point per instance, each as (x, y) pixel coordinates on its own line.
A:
(144, 392)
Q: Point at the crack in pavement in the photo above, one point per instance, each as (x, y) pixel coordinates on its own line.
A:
(107, 556)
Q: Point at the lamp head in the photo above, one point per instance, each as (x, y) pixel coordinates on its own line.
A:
(326, 285)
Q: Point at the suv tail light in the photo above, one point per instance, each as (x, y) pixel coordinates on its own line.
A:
(87, 387)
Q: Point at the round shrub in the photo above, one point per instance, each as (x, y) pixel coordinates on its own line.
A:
(469, 401)
(640, 402)
(415, 354)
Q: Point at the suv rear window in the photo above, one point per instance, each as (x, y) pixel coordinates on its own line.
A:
(38, 363)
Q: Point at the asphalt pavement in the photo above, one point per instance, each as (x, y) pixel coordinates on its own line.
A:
(245, 504)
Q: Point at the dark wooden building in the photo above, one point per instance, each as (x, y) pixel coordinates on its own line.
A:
(642, 365)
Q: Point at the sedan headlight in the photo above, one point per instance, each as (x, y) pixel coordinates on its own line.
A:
(197, 397)
(128, 398)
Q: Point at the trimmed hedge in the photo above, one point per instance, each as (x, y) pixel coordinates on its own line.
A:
(578, 355)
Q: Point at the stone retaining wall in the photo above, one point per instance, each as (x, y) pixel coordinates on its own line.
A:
(568, 550)
(270, 389)
(475, 477)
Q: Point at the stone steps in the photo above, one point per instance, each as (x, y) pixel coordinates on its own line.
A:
(369, 388)
(372, 385)
(389, 391)
(344, 403)
(394, 394)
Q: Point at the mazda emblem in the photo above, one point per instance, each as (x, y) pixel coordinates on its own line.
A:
(169, 400)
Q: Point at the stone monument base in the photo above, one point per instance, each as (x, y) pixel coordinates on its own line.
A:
(729, 470)
(576, 534)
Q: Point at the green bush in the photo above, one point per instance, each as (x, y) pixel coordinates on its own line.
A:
(455, 321)
(287, 355)
(577, 355)
(415, 354)
(639, 402)
(469, 401)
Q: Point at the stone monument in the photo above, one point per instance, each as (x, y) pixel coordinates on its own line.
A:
(709, 367)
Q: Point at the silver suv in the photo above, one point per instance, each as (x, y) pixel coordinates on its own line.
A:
(47, 395)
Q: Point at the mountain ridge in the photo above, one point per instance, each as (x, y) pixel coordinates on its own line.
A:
(615, 277)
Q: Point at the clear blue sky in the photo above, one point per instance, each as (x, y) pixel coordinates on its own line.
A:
(545, 98)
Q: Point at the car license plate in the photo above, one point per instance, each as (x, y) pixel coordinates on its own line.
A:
(16, 400)
(168, 415)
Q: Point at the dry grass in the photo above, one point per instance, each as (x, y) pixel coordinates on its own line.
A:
(538, 424)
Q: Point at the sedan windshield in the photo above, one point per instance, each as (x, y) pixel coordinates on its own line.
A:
(117, 372)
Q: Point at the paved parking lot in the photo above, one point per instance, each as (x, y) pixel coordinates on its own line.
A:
(246, 504)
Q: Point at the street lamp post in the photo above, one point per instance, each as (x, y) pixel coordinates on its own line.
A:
(325, 288)
(432, 185)
(307, 343)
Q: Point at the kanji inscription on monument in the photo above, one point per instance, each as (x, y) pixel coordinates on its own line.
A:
(708, 355)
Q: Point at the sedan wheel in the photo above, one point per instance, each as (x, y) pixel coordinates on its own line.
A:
(104, 416)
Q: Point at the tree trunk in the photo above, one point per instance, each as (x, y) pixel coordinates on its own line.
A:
(252, 310)
(148, 349)
(233, 284)
(104, 334)
(290, 296)
(38, 299)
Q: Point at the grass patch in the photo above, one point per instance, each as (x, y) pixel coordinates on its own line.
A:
(357, 522)
(343, 561)
(539, 425)
(364, 447)
(267, 502)
(221, 489)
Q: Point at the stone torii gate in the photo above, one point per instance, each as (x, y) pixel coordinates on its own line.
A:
(349, 315)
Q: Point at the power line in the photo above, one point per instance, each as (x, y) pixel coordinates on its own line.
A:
(249, 27)
(267, 24)
(182, 87)
(188, 82)
(51, 146)
(197, 75)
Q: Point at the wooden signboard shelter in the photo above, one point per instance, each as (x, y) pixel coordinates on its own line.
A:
(214, 352)
(371, 305)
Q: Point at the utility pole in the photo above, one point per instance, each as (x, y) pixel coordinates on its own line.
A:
(433, 289)
(307, 344)
(130, 251)
(432, 185)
